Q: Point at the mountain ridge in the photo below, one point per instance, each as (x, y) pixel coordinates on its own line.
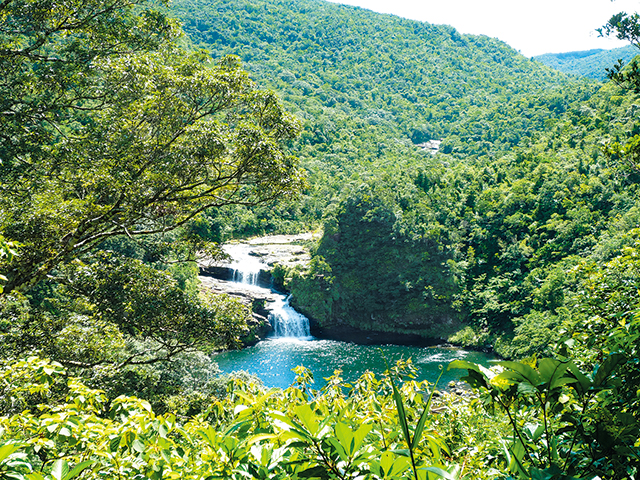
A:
(587, 63)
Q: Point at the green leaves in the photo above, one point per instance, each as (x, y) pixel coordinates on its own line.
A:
(477, 375)
(551, 405)
(413, 441)
(377, 428)
(604, 371)
(145, 138)
(61, 471)
(8, 449)
(128, 313)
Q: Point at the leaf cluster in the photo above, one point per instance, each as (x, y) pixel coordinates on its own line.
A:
(559, 427)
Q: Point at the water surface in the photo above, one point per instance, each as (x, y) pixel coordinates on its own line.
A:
(291, 345)
(273, 359)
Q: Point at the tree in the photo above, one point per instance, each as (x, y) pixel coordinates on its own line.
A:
(117, 311)
(108, 128)
(625, 27)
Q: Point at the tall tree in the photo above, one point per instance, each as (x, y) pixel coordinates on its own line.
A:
(626, 27)
(107, 128)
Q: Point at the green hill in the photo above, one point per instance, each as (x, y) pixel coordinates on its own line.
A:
(370, 88)
(587, 63)
(381, 75)
(415, 242)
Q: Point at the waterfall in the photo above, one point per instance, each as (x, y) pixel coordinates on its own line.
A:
(246, 267)
(287, 323)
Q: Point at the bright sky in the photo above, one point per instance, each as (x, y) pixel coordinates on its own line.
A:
(533, 27)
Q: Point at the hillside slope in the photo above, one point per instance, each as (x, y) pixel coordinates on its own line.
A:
(587, 63)
(408, 79)
(371, 88)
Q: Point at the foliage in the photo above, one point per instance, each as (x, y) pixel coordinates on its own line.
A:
(413, 440)
(609, 323)
(373, 428)
(126, 327)
(253, 433)
(495, 241)
(123, 300)
(560, 427)
(624, 27)
(113, 139)
(7, 251)
(371, 269)
(127, 135)
(370, 88)
(480, 233)
(115, 144)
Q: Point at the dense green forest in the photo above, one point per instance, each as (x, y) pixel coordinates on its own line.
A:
(478, 235)
(465, 193)
(588, 63)
(370, 89)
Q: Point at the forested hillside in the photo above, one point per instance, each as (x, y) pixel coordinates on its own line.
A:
(371, 88)
(588, 63)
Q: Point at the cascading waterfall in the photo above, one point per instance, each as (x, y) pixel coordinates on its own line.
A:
(287, 323)
(248, 278)
(246, 268)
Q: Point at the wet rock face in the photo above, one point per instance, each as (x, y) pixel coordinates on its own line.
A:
(220, 277)
(248, 294)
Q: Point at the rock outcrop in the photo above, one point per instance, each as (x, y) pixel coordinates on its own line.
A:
(256, 298)
(287, 250)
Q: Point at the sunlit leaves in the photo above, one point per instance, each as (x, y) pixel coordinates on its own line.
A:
(554, 411)
(155, 136)
(276, 434)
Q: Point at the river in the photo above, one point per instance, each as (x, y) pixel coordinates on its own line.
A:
(291, 345)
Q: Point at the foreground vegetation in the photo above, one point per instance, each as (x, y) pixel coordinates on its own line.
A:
(556, 427)
(126, 154)
(553, 418)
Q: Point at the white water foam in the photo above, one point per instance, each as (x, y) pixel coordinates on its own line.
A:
(287, 322)
(246, 267)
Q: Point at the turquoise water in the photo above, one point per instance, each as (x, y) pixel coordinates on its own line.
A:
(272, 360)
